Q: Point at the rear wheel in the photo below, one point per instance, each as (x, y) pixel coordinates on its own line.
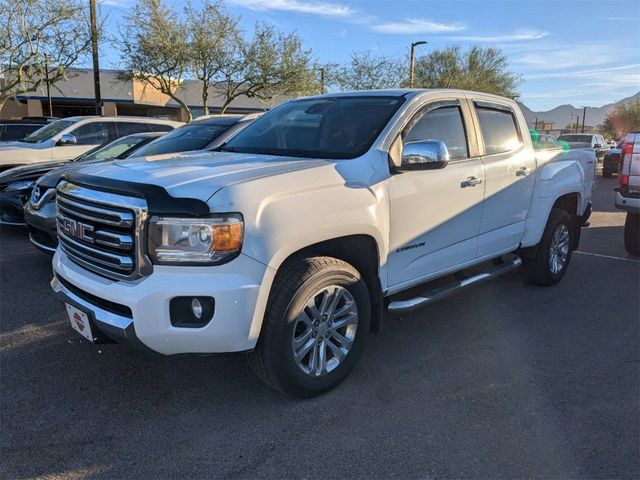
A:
(553, 253)
(632, 234)
(314, 328)
(607, 173)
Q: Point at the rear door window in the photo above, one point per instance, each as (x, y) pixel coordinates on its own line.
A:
(129, 128)
(499, 129)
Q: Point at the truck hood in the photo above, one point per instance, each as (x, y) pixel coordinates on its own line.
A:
(199, 175)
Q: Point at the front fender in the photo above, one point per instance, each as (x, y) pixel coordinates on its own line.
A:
(286, 213)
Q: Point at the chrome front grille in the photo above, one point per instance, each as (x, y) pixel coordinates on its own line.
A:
(102, 231)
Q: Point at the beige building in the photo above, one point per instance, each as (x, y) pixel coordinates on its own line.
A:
(75, 96)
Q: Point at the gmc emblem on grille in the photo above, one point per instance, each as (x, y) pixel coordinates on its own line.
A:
(76, 229)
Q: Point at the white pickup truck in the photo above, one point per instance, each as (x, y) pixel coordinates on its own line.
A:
(291, 241)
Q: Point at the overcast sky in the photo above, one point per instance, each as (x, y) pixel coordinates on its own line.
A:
(571, 51)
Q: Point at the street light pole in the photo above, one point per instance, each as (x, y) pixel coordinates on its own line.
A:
(46, 76)
(411, 62)
(584, 114)
(94, 51)
(321, 80)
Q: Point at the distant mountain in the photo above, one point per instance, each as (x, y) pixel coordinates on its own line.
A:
(561, 116)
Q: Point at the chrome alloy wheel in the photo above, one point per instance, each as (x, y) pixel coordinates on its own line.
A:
(324, 330)
(559, 250)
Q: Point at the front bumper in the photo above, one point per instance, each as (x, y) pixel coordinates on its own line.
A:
(42, 226)
(627, 203)
(11, 205)
(237, 287)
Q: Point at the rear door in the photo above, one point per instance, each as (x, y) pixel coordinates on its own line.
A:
(509, 164)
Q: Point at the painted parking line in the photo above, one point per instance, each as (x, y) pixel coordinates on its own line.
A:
(611, 257)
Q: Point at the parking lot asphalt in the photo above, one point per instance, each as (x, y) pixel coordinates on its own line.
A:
(505, 380)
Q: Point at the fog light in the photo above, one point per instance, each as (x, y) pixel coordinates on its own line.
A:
(191, 312)
(196, 308)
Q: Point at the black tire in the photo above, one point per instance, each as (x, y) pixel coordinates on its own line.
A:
(540, 272)
(632, 234)
(607, 173)
(273, 358)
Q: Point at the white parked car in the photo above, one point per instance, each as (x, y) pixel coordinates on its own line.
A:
(292, 240)
(68, 138)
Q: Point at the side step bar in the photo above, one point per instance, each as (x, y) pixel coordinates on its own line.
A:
(429, 296)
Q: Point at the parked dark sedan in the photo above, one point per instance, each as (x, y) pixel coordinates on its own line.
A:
(611, 162)
(17, 183)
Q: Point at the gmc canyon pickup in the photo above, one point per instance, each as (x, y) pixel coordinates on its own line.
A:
(292, 239)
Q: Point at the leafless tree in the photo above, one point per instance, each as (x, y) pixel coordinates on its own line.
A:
(155, 50)
(268, 64)
(213, 36)
(31, 29)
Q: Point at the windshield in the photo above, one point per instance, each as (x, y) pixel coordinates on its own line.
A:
(48, 131)
(325, 127)
(195, 136)
(575, 138)
(114, 149)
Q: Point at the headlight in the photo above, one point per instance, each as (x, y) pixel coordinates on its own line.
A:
(22, 185)
(195, 241)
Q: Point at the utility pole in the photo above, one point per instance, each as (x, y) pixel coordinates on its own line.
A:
(535, 125)
(46, 76)
(584, 114)
(411, 61)
(321, 80)
(94, 51)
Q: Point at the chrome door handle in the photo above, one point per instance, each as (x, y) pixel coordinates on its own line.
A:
(470, 182)
(522, 172)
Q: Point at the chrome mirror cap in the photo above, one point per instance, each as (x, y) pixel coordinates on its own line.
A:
(68, 139)
(424, 155)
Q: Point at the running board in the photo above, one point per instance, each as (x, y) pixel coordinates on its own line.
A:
(438, 293)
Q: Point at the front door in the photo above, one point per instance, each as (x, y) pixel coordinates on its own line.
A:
(435, 214)
(88, 136)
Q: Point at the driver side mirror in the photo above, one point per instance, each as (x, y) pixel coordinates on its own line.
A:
(68, 139)
(424, 155)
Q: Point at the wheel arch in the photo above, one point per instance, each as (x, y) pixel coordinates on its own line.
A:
(359, 250)
(569, 201)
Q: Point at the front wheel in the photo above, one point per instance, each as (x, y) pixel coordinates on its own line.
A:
(553, 253)
(632, 234)
(314, 330)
